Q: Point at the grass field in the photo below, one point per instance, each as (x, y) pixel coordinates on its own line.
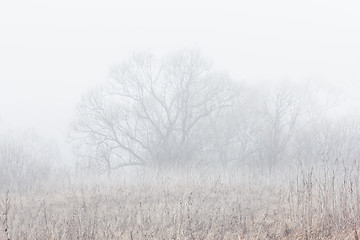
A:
(305, 205)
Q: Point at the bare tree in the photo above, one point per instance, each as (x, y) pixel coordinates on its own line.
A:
(25, 162)
(233, 131)
(318, 131)
(151, 112)
(281, 109)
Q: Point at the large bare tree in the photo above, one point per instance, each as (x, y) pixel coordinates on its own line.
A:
(152, 112)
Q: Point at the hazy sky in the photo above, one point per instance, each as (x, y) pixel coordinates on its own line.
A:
(52, 52)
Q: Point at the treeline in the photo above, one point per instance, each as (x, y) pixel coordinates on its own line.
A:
(178, 112)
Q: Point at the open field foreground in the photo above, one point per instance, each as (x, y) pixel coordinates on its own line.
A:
(306, 207)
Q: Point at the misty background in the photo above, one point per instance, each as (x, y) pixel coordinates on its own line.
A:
(52, 53)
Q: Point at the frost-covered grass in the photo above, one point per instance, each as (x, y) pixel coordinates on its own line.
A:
(308, 205)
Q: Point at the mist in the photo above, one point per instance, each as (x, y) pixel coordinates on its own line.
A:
(231, 120)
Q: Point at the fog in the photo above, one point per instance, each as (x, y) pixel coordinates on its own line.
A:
(53, 52)
(63, 62)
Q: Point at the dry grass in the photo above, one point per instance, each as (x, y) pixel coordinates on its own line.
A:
(309, 206)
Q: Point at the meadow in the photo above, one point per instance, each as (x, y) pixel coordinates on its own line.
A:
(312, 204)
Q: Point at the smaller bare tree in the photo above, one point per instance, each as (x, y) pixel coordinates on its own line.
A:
(281, 110)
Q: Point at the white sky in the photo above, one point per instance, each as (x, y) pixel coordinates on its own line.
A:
(52, 52)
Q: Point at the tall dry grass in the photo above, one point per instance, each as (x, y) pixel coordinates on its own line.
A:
(307, 204)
